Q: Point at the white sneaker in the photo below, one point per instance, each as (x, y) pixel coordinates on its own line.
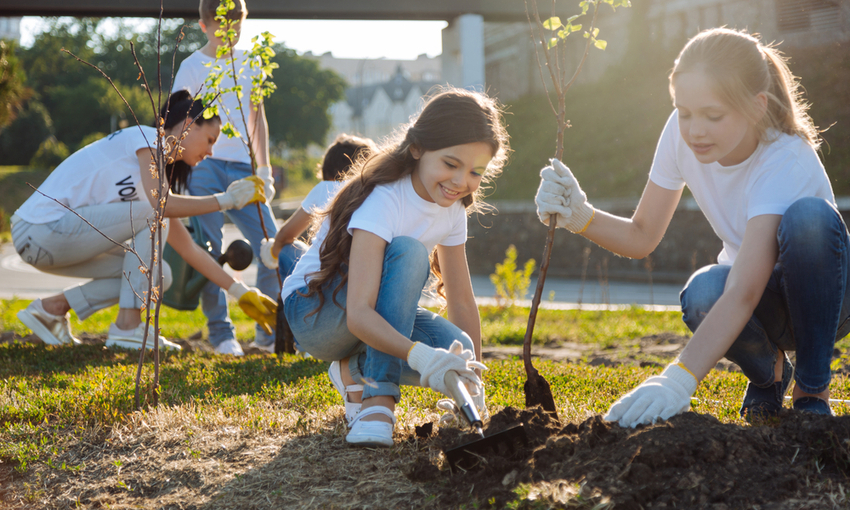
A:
(268, 348)
(372, 433)
(230, 347)
(132, 339)
(51, 329)
(351, 408)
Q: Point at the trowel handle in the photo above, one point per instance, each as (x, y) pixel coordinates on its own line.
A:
(462, 398)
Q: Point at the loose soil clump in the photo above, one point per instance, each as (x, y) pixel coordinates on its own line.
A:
(690, 461)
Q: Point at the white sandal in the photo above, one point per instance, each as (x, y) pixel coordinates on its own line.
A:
(351, 408)
(372, 433)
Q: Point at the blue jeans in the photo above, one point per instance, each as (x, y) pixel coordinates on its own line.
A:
(325, 334)
(289, 255)
(805, 306)
(213, 176)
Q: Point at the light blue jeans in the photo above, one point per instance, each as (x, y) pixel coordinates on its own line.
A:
(325, 334)
(805, 306)
(213, 176)
(289, 255)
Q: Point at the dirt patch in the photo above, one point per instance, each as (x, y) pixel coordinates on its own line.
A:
(690, 461)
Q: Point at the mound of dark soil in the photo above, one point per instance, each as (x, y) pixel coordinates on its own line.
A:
(690, 461)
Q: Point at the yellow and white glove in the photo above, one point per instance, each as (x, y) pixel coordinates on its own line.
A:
(269, 260)
(256, 305)
(432, 365)
(265, 173)
(559, 195)
(241, 193)
(658, 398)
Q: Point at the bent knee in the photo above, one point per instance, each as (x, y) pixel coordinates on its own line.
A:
(409, 252)
(703, 289)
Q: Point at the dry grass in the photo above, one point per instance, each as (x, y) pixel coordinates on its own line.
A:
(169, 458)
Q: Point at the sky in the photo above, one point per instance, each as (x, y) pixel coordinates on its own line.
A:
(403, 40)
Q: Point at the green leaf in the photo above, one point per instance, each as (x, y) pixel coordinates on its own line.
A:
(573, 18)
(553, 42)
(552, 23)
(575, 28)
(599, 43)
(596, 32)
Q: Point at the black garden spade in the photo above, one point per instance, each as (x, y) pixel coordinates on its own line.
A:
(469, 455)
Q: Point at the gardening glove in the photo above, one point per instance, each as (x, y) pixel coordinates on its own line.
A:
(241, 193)
(432, 365)
(659, 397)
(269, 260)
(255, 304)
(559, 195)
(265, 173)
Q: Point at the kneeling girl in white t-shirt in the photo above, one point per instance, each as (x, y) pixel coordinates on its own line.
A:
(741, 140)
(285, 249)
(353, 297)
(109, 183)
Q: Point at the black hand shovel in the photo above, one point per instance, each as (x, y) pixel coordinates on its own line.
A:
(467, 456)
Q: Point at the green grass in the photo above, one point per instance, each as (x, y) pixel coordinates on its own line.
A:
(609, 328)
(51, 397)
(173, 323)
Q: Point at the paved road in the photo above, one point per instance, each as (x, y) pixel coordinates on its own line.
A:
(18, 279)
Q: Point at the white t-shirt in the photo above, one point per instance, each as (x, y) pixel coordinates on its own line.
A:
(390, 211)
(191, 76)
(320, 196)
(776, 175)
(102, 172)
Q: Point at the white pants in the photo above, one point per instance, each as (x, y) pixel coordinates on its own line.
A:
(70, 247)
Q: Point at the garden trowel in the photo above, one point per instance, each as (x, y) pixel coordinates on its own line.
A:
(503, 443)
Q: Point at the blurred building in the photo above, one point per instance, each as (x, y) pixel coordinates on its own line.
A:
(382, 94)
(512, 70)
(10, 28)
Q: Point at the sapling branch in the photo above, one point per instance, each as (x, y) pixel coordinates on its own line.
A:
(555, 54)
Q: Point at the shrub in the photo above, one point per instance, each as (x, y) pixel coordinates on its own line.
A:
(50, 153)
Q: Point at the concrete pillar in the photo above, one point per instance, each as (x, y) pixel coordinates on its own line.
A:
(463, 52)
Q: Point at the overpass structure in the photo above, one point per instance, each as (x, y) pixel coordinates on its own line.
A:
(491, 10)
(463, 40)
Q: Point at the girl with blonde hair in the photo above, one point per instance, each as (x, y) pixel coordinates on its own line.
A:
(741, 140)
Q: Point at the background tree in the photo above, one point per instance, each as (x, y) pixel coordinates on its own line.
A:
(12, 90)
(71, 102)
(298, 112)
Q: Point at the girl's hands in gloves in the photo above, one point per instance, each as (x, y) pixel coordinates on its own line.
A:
(269, 260)
(432, 365)
(255, 304)
(559, 195)
(659, 397)
(241, 193)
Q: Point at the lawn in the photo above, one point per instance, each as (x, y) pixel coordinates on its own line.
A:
(257, 431)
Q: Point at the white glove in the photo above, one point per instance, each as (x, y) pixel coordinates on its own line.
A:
(269, 260)
(241, 193)
(432, 365)
(659, 397)
(559, 195)
(265, 173)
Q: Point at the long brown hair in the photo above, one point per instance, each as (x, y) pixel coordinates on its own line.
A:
(449, 118)
(742, 67)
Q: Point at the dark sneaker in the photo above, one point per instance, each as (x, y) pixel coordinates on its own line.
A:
(762, 403)
(812, 405)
